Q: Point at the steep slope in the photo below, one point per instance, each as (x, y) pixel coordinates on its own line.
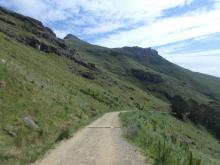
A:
(46, 90)
(29, 32)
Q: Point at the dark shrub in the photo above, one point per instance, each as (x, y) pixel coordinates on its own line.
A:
(64, 134)
(207, 115)
(146, 76)
(180, 107)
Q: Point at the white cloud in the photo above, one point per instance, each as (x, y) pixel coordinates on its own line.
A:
(204, 62)
(103, 28)
(99, 16)
(93, 17)
(173, 48)
(215, 52)
(32, 8)
(168, 30)
(60, 33)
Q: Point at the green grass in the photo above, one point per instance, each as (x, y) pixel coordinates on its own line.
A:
(120, 65)
(169, 141)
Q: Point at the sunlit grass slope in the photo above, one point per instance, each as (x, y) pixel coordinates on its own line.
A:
(168, 141)
(42, 86)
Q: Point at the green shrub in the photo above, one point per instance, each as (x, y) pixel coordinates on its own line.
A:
(64, 134)
(207, 115)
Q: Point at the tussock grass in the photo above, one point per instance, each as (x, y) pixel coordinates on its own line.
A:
(169, 141)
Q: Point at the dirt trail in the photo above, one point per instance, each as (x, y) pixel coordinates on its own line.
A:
(100, 143)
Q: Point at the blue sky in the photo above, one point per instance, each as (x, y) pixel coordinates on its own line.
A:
(186, 32)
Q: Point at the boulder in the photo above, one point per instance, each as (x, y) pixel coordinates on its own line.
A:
(9, 131)
(85, 64)
(29, 121)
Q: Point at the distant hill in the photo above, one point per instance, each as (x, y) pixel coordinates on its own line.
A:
(176, 78)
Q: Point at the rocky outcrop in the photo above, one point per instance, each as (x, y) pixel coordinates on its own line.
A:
(35, 43)
(29, 121)
(146, 76)
(138, 51)
(29, 22)
(85, 64)
(10, 131)
(88, 75)
(39, 37)
(90, 66)
(146, 56)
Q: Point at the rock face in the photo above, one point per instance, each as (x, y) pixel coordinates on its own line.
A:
(35, 43)
(30, 24)
(140, 51)
(39, 36)
(146, 76)
(146, 56)
(87, 75)
(87, 65)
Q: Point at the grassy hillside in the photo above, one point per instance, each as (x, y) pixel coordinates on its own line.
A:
(43, 86)
(207, 85)
(169, 141)
(121, 64)
(50, 87)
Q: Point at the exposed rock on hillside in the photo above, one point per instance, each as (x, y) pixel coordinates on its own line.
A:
(29, 121)
(87, 75)
(146, 76)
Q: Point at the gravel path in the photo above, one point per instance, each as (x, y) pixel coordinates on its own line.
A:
(100, 143)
